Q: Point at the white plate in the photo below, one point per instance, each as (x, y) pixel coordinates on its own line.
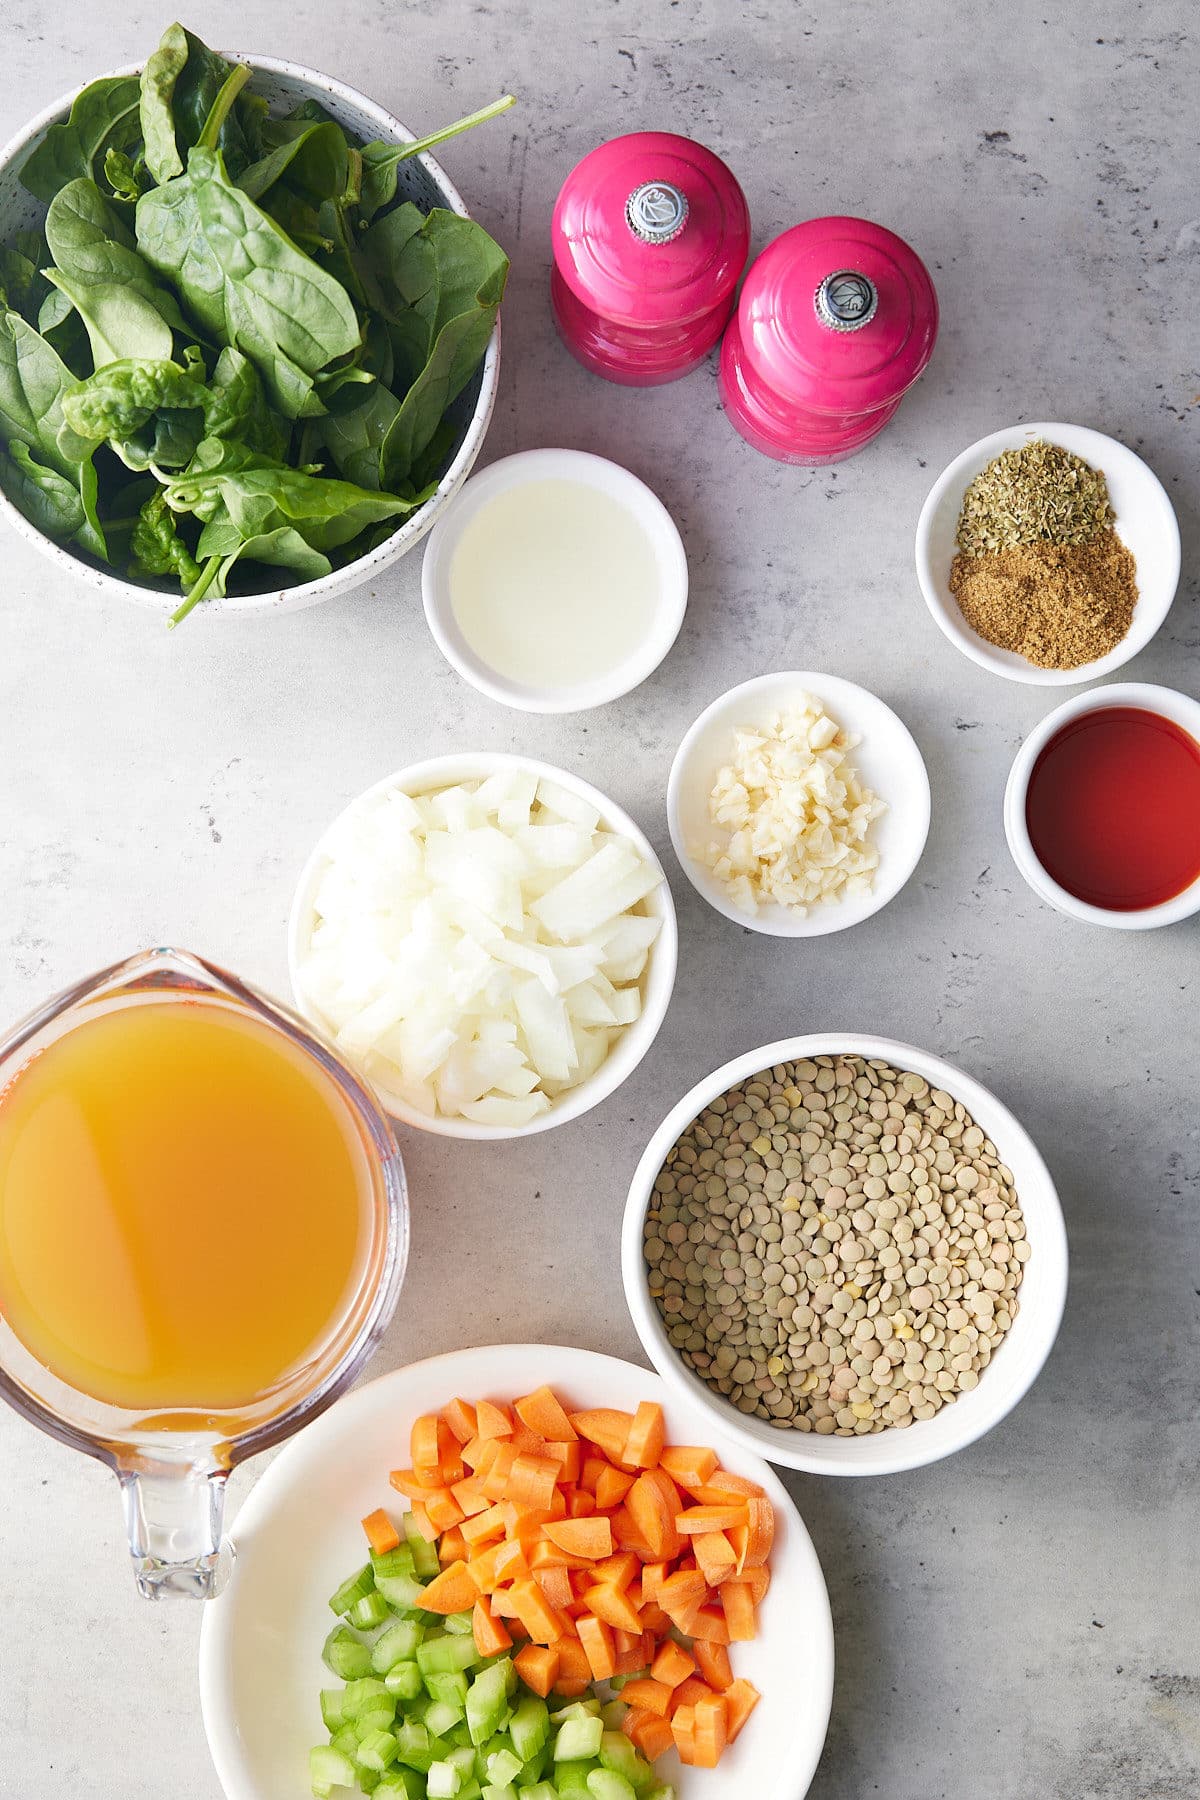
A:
(1145, 522)
(887, 759)
(298, 1535)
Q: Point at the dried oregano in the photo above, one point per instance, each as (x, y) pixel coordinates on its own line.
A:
(1039, 494)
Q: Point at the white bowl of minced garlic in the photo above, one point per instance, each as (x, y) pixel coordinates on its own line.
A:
(1048, 554)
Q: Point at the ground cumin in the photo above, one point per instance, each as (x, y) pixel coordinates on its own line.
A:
(1058, 605)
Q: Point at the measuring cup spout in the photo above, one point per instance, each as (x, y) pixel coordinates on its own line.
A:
(173, 1515)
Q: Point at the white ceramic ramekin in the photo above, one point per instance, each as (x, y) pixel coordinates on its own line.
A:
(1184, 712)
(658, 980)
(607, 478)
(1145, 522)
(1012, 1370)
(284, 85)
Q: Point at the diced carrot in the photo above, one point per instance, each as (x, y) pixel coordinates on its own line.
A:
(546, 1555)
(644, 1445)
(409, 1483)
(738, 1607)
(556, 1585)
(531, 1480)
(421, 1522)
(450, 1592)
(672, 1664)
(696, 1519)
(503, 1605)
(654, 1506)
(758, 1581)
(526, 1442)
(597, 1640)
(741, 1698)
(631, 1652)
(626, 1535)
(713, 1662)
(460, 1416)
(442, 1509)
(541, 1620)
(511, 1563)
(489, 1634)
(495, 1482)
(453, 1546)
(683, 1723)
(607, 1427)
(452, 1467)
(611, 1604)
(592, 1469)
(653, 1574)
(691, 1465)
(484, 1527)
(619, 1569)
(494, 1421)
(683, 1585)
(482, 1566)
(710, 1623)
(423, 1445)
(648, 1733)
(580, 1504)
(537, 1665)
(568, 1456)
(654, 1696)
(474, 1453)
(715, 1557)
(382, 1535)
(656, 1621)
(544, 1413)
(582, 1537)
(612, 1485)
(573, 1659)
(470, 1496)
(710, 1730)
(761, 1522)
(722, 1482)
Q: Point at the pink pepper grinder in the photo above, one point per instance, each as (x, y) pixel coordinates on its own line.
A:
(837, 319)
(650, 234)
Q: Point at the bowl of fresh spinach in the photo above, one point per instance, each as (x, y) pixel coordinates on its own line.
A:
(249, 337)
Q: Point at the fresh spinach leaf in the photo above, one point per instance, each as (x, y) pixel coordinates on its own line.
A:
(381, 162)
(260, 494)
(245, 281)
(33, 381)
(156, 546)
(48, 499)
(123, 174)
(355, 439)
(126, 310)
(22, 284)
(103, 116)
(119, 399)
(179, 87)
(314, 161)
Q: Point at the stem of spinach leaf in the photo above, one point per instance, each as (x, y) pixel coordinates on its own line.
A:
(231, 87)
(420, 145)
(207, 577)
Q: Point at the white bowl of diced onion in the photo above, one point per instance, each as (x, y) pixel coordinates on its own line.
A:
(827, 737)
(488, 940)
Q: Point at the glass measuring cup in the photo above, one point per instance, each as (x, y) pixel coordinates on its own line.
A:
(173, 1467)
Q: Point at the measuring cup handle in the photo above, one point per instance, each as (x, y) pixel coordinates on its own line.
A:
(173, 1516)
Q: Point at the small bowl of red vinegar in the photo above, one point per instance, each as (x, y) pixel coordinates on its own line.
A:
(1102, 808)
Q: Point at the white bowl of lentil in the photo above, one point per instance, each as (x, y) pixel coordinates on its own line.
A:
(1022, 1346)
(1144, 521)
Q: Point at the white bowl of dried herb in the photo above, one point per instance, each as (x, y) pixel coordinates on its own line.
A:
(1048, 554)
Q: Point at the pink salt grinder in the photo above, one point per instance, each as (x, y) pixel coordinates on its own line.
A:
(650, 234)
(836, 320)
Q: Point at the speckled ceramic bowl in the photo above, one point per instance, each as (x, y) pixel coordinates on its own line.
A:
(284, 85)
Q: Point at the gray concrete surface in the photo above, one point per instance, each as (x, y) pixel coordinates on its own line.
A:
(1017, 1624)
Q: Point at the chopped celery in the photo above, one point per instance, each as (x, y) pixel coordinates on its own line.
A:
(529, 1726)
(606, 1784)
(503, 1767)
(402, 1592)
(368, 1779)
(354, 1589)
(618, 1755)
(345, 1741)
(487, 1702)
(613, 1713)
(542, 1790)
(404, 1681)
(451, 1687)
(358, 1696)
(571, 1780)
(401, 1784)
(393, 1562)
(663, 1791)
(424, 1551)
(441, 1716)
(333, 1708)
(377, 1750)
(398, 1643)
(576, 1709)
(503, 1792)
(578, 1740)
(329, 1769)
(414, 1745)
(346, 1654)
(444, 1655)
(369, 1612)
(442, 1782)
(460, 1624)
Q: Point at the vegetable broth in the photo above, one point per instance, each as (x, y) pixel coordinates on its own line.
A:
(185, 1206)
(1113, 808)
(554, 583)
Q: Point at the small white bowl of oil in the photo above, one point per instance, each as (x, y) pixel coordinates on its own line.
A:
(557, 581)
